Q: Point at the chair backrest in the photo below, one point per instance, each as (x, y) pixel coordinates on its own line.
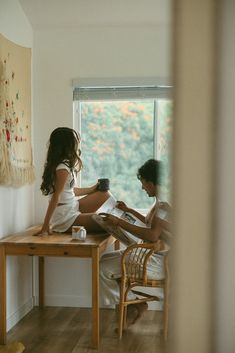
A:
(135, 259)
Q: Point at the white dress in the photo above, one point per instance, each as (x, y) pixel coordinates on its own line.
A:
(64, 215)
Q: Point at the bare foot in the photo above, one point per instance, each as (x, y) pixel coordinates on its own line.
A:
(136, 313)
(131, 315)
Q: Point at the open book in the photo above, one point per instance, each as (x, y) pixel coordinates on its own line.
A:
(119, 233)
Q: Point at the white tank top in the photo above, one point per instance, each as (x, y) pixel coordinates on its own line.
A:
(67, 196)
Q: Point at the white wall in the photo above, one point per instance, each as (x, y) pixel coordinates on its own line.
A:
(65, 54)
(16, 205)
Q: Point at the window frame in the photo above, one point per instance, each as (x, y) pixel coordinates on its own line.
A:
(89, 93)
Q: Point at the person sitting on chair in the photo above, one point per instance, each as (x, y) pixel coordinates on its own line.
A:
(110, 263)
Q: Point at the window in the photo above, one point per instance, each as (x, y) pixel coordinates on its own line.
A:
(120, 129)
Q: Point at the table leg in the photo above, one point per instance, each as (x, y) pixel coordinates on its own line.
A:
(41, 280)
(95, 298)
(2, 295)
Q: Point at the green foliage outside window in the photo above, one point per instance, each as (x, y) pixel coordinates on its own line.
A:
(117, 138)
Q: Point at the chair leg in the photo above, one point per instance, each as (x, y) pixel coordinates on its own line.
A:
(165, 311)
(121, 311)
(124, 316)
(121, 320)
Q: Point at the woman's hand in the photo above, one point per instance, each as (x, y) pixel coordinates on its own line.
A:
(110, 219)
(94, 188)
(43, 231)
(122, 206)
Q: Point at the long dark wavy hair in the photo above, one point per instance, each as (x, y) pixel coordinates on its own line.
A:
(63, 148)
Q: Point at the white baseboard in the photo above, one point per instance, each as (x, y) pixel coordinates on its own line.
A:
(24, 309)
(80, 302)
(66, 301)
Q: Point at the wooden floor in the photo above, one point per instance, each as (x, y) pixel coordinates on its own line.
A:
(68, 330)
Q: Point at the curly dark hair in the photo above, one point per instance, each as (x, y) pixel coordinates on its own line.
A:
(63, 148)
(151, 171)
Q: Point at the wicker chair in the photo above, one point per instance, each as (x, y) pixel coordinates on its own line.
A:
(134, 274)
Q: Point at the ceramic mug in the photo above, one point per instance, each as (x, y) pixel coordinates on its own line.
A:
(103, 184)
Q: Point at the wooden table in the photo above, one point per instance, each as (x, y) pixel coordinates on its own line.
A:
(62, 245)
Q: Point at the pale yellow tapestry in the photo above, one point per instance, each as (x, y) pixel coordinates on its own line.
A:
(16, 165)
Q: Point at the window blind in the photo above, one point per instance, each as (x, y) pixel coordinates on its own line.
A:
(120, 93)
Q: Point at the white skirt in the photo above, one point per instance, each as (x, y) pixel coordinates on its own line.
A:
(64, 216)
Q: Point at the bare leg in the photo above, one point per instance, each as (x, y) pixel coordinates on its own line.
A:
(134, 313)
(88, 205)
(86, 220)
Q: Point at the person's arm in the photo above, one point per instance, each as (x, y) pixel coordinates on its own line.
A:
(150, 234)
(122, 206)
(85, 191)
(61, 176)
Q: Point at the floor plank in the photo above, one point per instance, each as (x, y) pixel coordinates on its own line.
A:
(68, 330)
